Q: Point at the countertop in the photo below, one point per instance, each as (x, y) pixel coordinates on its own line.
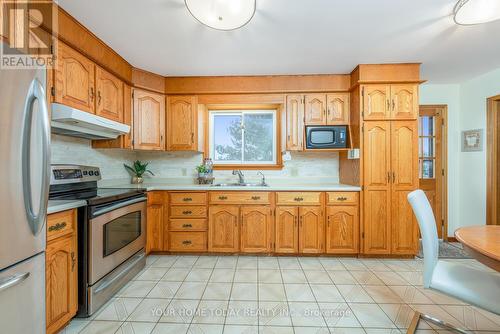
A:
(62, 205)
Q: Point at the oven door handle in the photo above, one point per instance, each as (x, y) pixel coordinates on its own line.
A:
(117, 206)
(107, 282)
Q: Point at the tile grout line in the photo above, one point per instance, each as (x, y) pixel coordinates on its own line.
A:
(230, 293)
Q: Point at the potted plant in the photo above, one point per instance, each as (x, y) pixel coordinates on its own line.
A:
(202, 170)
(138, 169)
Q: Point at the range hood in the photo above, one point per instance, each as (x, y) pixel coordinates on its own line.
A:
(76, 123)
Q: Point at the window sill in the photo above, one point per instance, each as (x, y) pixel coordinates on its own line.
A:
(248, 167)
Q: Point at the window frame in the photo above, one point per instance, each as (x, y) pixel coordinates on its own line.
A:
(240, 110)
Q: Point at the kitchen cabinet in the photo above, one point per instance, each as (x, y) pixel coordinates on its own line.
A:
(342, 229)
(315, 109)
(223, 228)
(109, 98)
(149, 120)
(337, 108)
(157, 208)
(311, 232)
(287, 230)
(182, 123)
(390, 172)
(295, 122)
(74, 80)
(385, 102)
(61, 270)
(256, 229)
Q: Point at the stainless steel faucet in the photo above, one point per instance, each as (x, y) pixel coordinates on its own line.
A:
(241, 177)
(263, 180)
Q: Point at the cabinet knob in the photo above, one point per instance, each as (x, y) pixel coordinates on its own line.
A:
(187, 225)
(222, 197)
(57, 227)
(341, 199)
(188, 212)
(187, 242)
(298, 199)
(187, 199)
(255, 198)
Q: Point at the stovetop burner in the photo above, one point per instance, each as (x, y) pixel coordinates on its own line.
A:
(97, 196)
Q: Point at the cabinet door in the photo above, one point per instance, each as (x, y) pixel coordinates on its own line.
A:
(294, 122)
(256, 229)
(404, 101)
(223, 229)
(74, 79)
(376, 102)
(61, 282)
(149, 120)
(376, 175)
(404, 158)
(287, 231)
(155, 236)
(342, 230)
(182, 123)
(315, 109)
(337, 108)
(109, 99)
(311, 232)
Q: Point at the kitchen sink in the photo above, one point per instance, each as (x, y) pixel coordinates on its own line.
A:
(240, 185)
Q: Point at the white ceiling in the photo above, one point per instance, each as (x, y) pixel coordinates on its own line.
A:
(295, 37)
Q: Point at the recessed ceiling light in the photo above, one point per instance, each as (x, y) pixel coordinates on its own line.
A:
(469, 12)
(222, 14)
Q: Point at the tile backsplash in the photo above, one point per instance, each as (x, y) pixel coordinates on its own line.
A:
(181, 164)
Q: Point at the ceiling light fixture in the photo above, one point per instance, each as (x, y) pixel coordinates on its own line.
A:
(222, 14)
(470, 12)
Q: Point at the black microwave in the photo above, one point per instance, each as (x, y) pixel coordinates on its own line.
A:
(326, 136)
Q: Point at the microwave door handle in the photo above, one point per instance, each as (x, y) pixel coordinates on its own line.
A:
(117, 206)
(36, 92)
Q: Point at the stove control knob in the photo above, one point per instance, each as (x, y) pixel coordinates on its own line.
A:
(91, 173)
(96, 173)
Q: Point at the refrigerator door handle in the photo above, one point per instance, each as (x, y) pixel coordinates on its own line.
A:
(12, 280)
(35, 219)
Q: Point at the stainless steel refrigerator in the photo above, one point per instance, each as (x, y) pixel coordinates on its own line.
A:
(24, 186)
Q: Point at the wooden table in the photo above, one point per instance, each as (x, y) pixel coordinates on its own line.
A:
(482, 242)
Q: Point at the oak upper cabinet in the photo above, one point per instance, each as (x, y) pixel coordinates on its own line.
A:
(74, 79)
(338, 108)
(311, 232)
(295, 122)
(223, 228)
(404, 101)
(109, 96)
(256, 229)
(315, 109)
(149, 120)
(157, 220)
(182, 121)
(287, 231)
(342, 230)
(386, 102)
(61, 270)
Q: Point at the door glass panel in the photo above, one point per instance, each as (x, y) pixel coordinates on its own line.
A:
(427, 169)
(121, 231)
(426, 126)
(427, 147)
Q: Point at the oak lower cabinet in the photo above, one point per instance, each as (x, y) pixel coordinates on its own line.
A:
(61, 270)
(342, 223)
(287, 230)
(223, 228)
(256, 229)
(157, 209)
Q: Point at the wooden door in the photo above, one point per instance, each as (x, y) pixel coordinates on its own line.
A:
(287, 230)
(295, 122)
(109, 98)
(61, 281)
(376, 179)
(342, 230)
(315, 109)
(74, 79)
(338, 109)
(149, 120)
(157, 220)
(256, 229)
(182, 123)
(223, 228)
(311, 233)
(404, 178)
(376, 102)
(404, 101)
(432, 161)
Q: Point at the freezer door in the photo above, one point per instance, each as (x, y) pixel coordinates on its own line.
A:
(24, 148)
(22, 297)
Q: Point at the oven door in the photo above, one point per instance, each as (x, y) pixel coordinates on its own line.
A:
(116, 232)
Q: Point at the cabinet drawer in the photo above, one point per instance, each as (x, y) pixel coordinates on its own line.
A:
(188, 225)
(244, 197)
(61, 223)
(342, 198)
(299, 198)
(188, 198)
(188, 241)
(186, 211)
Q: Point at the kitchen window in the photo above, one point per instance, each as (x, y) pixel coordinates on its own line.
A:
(246, 138)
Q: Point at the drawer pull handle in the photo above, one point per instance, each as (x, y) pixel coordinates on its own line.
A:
(187, 225)
(187, 199)
(57, 227)
(341, 198)
(222, 197)
(255, 198)
(187, 242)
(298, 199)
(187, 212)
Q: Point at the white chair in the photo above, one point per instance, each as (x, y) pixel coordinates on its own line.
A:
(475, 287)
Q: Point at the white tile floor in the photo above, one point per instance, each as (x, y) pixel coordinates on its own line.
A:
(278, 295)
